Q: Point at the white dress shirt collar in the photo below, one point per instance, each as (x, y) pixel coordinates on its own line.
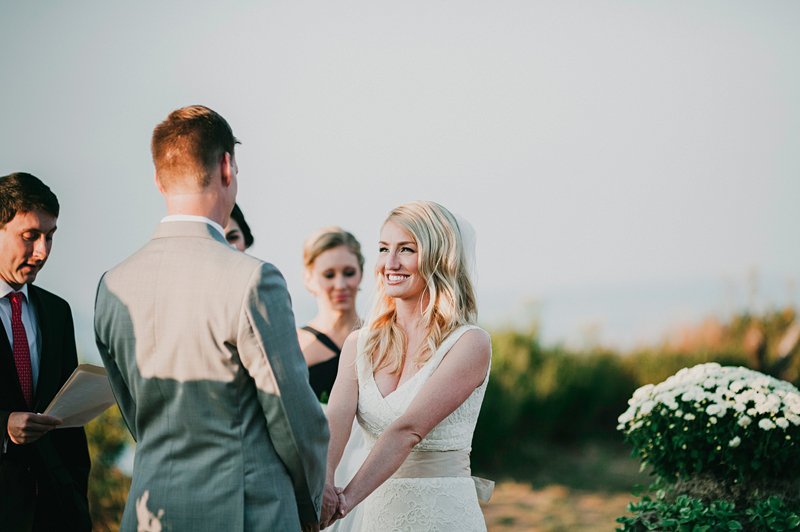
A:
(6, 289)
(193, 218)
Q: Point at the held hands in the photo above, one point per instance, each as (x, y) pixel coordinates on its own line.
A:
(27, 427)
(334, 505)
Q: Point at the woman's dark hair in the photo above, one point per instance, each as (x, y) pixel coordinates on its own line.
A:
(238, 216)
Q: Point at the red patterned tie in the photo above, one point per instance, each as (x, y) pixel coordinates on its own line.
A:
(22, 353)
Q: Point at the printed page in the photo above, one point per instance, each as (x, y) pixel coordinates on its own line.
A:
(85, 395)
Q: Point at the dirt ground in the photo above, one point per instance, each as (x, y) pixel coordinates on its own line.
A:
(516, 506)
(548, 488)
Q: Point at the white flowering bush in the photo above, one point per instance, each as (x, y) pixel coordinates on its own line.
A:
(730, 423)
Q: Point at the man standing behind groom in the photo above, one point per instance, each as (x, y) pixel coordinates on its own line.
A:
(200, 346)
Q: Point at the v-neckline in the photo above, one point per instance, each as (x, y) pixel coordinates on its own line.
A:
(385, 397)
(377, 388)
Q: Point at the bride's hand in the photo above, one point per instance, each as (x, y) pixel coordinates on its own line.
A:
(343, 509)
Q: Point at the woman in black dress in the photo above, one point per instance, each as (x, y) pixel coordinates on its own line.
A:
(333, 271)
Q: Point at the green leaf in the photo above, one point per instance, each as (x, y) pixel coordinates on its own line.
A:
(775, 504)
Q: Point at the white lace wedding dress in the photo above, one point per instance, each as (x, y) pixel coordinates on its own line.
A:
(439, 502)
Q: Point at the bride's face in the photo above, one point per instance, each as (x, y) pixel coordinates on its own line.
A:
(398, 263)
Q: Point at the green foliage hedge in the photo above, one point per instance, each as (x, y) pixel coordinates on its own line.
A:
(686, 513)
(108, 438)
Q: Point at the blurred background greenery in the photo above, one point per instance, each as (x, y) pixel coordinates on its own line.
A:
(547, 429)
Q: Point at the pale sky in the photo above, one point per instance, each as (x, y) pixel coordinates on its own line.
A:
(626, 165)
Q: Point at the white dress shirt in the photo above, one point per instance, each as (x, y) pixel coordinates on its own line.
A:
(194, 218)
(28, 320)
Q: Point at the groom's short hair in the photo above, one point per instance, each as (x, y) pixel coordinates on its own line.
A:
(189, 143)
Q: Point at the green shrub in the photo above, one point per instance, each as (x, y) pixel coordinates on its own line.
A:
(730, 423)
(573, 396)
(685, 513)
(108, 486)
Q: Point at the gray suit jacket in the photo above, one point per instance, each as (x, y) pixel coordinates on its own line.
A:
(200, 346)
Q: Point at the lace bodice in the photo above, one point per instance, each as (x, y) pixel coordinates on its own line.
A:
(376, 412)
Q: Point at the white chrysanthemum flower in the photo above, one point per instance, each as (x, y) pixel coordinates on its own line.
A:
(625, 417)
(643, 392)
(712, 390)
(766, 424)
(735, 442)
(646, 407)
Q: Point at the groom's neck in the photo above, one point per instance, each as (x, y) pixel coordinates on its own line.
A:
(206, 203)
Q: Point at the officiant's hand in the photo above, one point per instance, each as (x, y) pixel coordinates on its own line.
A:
(27, 427)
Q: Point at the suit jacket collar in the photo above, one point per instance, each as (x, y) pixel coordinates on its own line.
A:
(51, 358)
(8, 371)
(188, 229)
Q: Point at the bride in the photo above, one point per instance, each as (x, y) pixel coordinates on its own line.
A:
(414, 377)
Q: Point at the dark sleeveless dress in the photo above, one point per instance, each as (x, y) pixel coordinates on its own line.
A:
(322, 375)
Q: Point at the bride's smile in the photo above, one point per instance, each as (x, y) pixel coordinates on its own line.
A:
(398, 263)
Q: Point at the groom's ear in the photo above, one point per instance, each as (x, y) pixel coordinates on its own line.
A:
(158, 183)
(227, 169)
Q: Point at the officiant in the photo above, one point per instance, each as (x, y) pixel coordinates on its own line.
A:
(43, 472)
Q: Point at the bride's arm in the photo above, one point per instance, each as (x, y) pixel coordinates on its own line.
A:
(341, 411)
(460, 372)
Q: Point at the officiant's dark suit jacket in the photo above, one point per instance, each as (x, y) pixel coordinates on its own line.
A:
(43, 484)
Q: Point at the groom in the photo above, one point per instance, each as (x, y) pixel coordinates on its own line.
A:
(200, 345)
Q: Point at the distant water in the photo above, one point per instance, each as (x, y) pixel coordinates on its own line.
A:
(623, 317)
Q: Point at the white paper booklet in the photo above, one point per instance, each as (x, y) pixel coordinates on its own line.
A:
(85, 395)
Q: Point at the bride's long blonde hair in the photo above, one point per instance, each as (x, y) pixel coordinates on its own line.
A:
(443, 265)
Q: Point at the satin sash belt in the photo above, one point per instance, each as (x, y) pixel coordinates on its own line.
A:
(438, 464)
